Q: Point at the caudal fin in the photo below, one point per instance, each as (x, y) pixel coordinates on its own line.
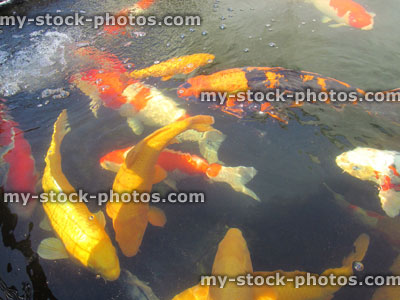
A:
(357, 255)
(209, 144)
(236, 177)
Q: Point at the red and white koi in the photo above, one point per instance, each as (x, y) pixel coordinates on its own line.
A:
(191, 165)
(379, 166)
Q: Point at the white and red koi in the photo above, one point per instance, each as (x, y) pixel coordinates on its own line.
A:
(345, 13)
(189, 164)
(379, 166)
(16, 162)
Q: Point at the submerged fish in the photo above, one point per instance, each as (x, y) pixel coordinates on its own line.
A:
(229, 83)
(233, 259)
(345, 13)
(177, 65)
(136, 9)
(139, 103)
(189, 164)
(389, 292)
(139, 173)
(383, 225)
(379, 166)
(81, 234)
(17, 165)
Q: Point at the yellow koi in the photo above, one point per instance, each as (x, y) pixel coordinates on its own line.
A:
(177, 65)
(139, 173)
(81, 234)
(233, 259)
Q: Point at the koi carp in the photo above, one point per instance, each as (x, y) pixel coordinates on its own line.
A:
(233, 259)
(229, 83)
(387, 227)
(379, 166)
(189, 164)
(139, 173)
(17, 165)
(177, 65)
(136, 9)
(139, 103)
(345, 13)
(81, 234)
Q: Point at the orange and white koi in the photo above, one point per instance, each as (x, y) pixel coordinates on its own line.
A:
(139, 173)
(345, 13)
(139, 103)
(81, 234)
(136, 9)
(379, 166)
(177, 65)
(230, 82)
(17, 165)
(233, 259)
(189, 164)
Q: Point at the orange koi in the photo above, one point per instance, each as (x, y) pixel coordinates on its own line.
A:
(189, 164)
(231, 82)
(177, 65)
(16, 162)
(345, 13)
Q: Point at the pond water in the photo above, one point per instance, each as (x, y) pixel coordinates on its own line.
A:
(296, 226)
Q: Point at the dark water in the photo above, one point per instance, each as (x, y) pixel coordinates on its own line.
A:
(296, 226)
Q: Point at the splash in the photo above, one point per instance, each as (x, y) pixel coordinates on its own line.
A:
(31, 68)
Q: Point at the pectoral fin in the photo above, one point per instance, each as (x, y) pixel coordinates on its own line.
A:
(171, 183)
(156, 217)
(337, 25)
(325, 19)
(100, 218)
(159, 174)
(45, 224)
(52, 249)
(135, 125)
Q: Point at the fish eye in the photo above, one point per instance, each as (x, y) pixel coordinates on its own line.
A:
(181, 91)
(356, 168)
(91, 218)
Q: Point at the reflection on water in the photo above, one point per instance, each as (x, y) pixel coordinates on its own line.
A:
(296, 226)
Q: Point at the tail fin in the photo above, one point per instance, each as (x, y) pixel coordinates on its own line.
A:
(357, 255)
(209, 144)
(61, 127)
(390, 201)
(237, 178)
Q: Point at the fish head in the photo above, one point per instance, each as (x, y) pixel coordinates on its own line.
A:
(363, 163)
(104, 261)
(362, 20)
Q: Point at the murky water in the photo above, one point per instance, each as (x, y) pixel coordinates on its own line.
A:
(297, 225)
